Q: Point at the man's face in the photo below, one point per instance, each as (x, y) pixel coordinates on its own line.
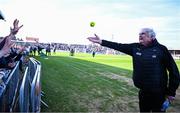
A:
(144, 38)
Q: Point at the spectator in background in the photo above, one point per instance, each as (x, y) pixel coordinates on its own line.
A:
(54, 49)
(40, 48)
(72, 51)
(34, 50)
(151, 61)
(30, 50)
(48, 50)
(93, 53)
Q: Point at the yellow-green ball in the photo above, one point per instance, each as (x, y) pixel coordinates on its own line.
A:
(92, 24)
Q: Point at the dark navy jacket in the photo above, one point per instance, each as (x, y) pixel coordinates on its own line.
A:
(150, 66)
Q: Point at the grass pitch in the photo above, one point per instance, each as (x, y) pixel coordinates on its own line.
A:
(85, 84)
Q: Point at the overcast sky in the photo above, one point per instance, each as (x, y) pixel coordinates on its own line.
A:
(67, 21)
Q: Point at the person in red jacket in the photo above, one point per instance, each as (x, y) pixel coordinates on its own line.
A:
(151, 61)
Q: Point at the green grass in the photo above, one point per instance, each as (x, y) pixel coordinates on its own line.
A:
(86, 84)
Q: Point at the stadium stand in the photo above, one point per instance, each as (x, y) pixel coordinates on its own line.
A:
(175, 53)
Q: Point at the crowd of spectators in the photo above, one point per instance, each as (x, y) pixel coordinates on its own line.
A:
(10, 54)
(47, 48)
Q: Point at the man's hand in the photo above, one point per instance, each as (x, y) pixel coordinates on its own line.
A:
(95, 39)
(16, 27)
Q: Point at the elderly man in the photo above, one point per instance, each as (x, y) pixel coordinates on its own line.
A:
(151, 61)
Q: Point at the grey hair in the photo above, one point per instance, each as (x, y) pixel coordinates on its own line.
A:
(150, 32)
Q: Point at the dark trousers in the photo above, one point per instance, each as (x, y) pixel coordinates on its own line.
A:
(150, 101)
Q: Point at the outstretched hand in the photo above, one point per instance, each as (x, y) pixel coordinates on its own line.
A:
(15, 28)
(95, 39)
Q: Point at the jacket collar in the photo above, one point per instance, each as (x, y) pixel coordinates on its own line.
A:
(154, 43)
